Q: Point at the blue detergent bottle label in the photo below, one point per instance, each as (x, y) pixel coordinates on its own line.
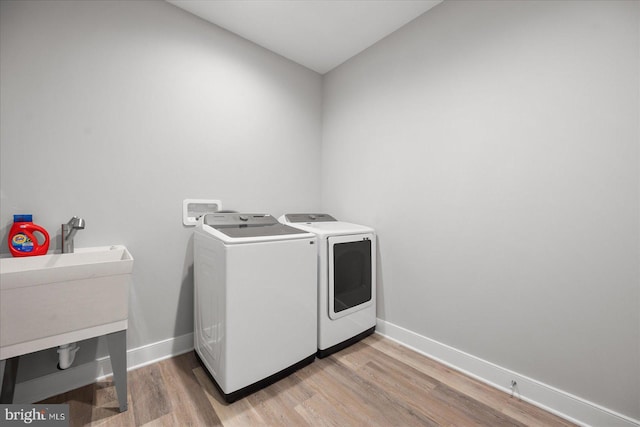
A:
(21, 242)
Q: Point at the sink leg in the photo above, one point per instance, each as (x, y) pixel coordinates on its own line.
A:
(8, 374)
(117, 343)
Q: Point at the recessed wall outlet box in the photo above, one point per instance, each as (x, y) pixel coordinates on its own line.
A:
(192, 209)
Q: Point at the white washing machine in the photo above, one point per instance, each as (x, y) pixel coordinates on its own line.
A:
(346, 279)
(255, 300)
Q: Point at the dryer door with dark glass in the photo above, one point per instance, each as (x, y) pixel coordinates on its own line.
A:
(351, 273)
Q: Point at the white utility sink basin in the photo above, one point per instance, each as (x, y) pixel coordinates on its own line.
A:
(50, 300)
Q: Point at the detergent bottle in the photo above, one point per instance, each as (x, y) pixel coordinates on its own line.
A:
(22, 240)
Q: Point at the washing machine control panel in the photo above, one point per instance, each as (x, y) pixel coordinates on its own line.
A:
(230, 219)
(248, 225)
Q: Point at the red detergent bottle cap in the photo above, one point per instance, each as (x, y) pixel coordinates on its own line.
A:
(23, 239)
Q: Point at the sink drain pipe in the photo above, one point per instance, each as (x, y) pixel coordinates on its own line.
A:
(66, 355)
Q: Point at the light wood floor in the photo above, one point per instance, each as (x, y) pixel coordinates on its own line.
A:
(375, 382)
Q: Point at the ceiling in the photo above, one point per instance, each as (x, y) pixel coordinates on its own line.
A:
(318, 34)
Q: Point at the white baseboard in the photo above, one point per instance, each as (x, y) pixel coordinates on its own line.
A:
(551, 399)
(77, 376)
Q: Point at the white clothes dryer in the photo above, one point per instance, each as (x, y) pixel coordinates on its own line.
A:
(346, 279)
(255, 314)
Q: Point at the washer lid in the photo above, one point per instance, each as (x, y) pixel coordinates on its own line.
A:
(248, 225)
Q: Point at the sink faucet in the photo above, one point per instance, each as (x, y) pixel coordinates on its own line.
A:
(69, 231)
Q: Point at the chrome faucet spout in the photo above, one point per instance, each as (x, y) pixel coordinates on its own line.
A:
(69, 231)
(76, 223)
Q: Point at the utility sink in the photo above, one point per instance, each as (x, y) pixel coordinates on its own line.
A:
(54, 299)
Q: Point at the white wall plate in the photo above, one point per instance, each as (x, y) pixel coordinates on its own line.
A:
(192, 209)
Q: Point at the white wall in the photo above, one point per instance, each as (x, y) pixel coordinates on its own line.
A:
(117, 111)
(494, 147)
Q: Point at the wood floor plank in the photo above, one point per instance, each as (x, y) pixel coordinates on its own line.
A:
(273, 409)
(531, 416)
(402, 382)
(398, 371)
(189, 401)
(518, 410)
(424, 393)
(237, 414)
(277, 403)
(148, 394)
(475, 410)
(293, 390)
(437, 371)
(340, 402)
(325, 409)
(318, 411)
(81, 404)
(375, 382)
(415, 396)
(167, 420)
(106, 412)
(374, 399)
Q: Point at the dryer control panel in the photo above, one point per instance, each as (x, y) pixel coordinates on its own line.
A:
(309, 217)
